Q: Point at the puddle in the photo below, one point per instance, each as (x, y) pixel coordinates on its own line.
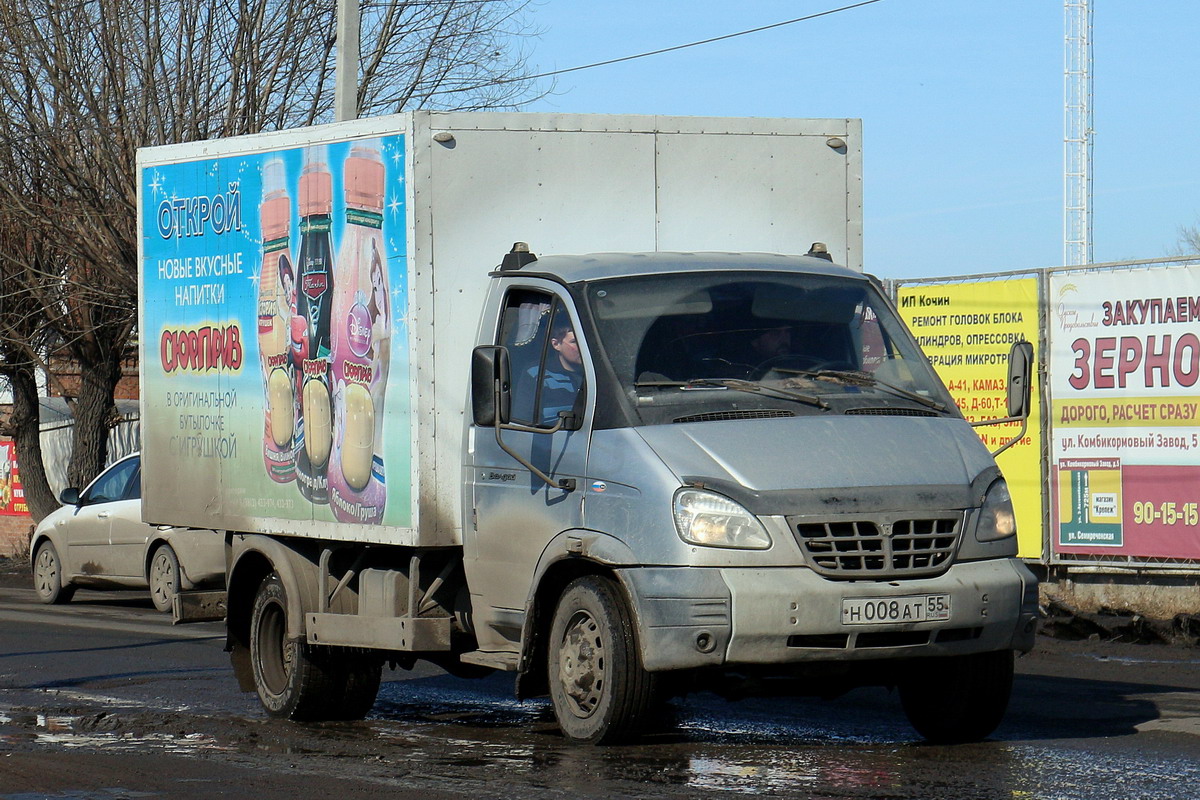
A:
(424, 733)
(784, 774)
(81, 794)
(732, 731)
(165, 743)
(1137, 662)
(116, 702)
(1089, 775)
(409, 702)
(99, 730)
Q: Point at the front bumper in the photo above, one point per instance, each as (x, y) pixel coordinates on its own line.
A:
(696, 617)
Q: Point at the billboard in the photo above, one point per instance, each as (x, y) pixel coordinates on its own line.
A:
(275, 288)
(967, 329)
(12, 496)
(1125, 429)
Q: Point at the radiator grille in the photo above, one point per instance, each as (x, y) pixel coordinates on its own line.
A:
(871, 549)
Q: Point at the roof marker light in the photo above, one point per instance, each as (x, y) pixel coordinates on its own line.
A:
(518, 257)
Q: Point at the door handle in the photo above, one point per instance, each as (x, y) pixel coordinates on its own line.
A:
(103, 515)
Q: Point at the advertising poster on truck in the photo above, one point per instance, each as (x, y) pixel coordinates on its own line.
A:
(967, 329)
(1125, 362)
(275, 293)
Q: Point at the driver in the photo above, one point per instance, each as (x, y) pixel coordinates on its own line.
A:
(563, 375)
(772, 343)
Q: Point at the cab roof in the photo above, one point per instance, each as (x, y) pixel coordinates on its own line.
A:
(598, 266)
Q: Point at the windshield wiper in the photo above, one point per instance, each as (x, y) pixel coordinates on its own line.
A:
(738, 385)
(859, 378)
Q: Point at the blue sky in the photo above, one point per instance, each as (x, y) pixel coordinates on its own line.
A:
(961, 102)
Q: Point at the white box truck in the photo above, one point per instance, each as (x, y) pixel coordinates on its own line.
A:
(668, 457)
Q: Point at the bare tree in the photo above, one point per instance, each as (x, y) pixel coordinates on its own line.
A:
(87, 82)
(1188, 242)
(22, 347)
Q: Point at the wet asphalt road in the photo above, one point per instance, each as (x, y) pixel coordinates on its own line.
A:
(103, 698)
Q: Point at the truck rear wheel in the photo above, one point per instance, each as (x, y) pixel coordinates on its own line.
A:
(359, 677)
(600, 690)
(959, 698)
(293, 681)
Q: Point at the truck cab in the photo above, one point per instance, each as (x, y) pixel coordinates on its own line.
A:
(746, 461)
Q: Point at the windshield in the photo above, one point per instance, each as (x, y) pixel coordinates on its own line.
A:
(688, 344)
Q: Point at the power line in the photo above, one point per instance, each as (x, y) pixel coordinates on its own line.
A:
(660, 51)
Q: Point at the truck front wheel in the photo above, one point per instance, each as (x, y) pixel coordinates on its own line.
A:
(959, 698)
(600, 691)
(293, 682)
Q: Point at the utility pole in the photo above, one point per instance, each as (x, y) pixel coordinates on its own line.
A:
(345, 87)
(1077, 134)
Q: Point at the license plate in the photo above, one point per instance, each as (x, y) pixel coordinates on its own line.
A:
(876, 610)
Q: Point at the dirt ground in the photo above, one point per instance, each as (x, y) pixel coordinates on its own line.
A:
(1084, 700)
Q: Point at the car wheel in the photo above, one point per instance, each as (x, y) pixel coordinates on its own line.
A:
(48, 577)
(164, 577)
(601, 692)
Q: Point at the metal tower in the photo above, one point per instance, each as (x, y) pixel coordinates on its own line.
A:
(1077, 134)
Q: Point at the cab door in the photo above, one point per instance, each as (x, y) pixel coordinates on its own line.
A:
(515, 513)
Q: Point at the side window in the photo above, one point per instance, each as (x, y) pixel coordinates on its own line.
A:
(112, 484)
(873, 345)
(547, 369)
(134, 490)
(880, 356)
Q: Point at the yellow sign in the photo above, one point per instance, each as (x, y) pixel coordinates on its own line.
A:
(966, 330)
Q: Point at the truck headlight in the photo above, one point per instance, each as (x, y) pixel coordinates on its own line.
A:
(996, 517)
(710, 520)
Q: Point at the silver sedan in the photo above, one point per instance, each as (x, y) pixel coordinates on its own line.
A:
(97, 540)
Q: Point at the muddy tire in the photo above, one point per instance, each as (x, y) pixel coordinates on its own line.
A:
(960, 698)
(48, 576)
(292, 680)
(359, 677)
(600, 690)
(163, 577)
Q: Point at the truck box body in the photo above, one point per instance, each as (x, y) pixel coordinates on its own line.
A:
(458, 189)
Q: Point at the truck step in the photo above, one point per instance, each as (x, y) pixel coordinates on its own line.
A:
(503, 661)
(422, 634)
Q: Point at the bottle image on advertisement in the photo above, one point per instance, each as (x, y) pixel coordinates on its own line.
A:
(310, 326)
(276, 307)
(361, 345)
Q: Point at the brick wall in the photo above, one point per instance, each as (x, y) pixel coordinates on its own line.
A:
(14, 535)
(67, 381)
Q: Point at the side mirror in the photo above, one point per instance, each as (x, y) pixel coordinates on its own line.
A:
(489, 367)
(69, 497)
(1020, 372)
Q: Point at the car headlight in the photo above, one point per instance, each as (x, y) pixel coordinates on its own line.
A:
(996, 517)
(710, 520)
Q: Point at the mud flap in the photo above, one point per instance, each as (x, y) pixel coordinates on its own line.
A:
(198, 607)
